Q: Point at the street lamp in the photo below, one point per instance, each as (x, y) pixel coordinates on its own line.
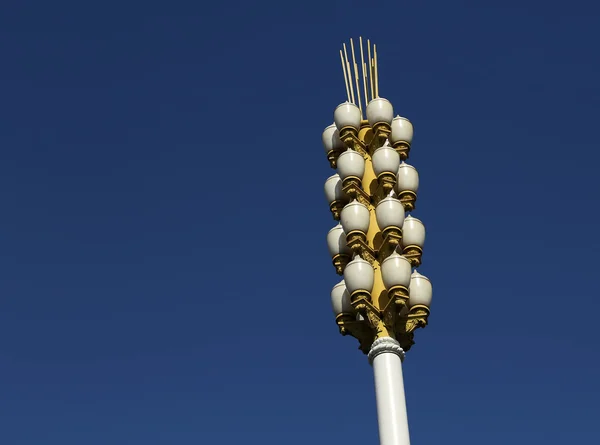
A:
(375, 246)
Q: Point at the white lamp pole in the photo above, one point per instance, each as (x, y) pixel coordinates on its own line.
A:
(386, 356)
(375, 245)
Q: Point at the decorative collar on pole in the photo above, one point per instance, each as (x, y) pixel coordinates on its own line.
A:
(384, 345)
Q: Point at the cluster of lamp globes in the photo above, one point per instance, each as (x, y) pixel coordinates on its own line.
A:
(387, 161)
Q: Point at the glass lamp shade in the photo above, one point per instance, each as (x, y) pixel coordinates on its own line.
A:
(389, 213)
(386, 159)
(355, 216)
(351, 163)
(340, 299)
(402, 130)
(331, 139)
(336, 242)
(407, 178)
(413, 232)
(420, 290)
(333, 189)
(395, 271)
(359, 275)
(347, 115)
(379, 110)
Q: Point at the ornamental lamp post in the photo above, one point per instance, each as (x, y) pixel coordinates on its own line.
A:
(375, 245)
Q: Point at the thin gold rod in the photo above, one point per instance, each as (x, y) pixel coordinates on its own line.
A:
(345, 75)
(364, 73)
(376, 71)
(356, 77)
(371, 70)
(349, 74)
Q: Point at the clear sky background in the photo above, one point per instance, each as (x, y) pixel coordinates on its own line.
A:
(164, 272)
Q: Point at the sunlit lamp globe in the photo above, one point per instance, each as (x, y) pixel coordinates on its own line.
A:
(379, 111)
(385, 160)
(331, 139)
(347, 115)
(359, 275)
(389, 213)
(402, 131)
(336, 242)
(333, 189)
(351, 164)
(340, 299)
(355, 217)
(413, 232)
(407, 179)
(395, 271)
(420, 290)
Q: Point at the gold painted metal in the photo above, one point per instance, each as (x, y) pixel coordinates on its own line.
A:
(357, 241)
(381, 132)
(417, 317)
(340, 261)
(379, 313)
(332, 157)
(336, 209)
(352, 187)
(413, 254)
(350, 138)
(408, 200)
(403, 149)
(392, 236)
(386, 181)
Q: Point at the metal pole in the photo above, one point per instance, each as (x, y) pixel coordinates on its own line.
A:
(386, 356)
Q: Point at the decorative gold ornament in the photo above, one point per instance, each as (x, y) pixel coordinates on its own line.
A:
(408, 199)
(357, 242)
(381, 132)
(344, 320)
(352, 186)
(386, 181)
(340, 261)
(413, 254)
(349, 136)
(403, 149)
(336, 209)
(392, 236)
(332, 156)
(417, 318)
(360, 299)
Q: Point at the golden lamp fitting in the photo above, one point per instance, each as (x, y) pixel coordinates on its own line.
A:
(417, 317)
(399, 295)
(348, 135)
(342, 319)
(355, 239)
(332, 156)
(381, 132)
(403, 148)
(413, 254)
(387, 181)
(336, 209)
(352, 187)
(340, 261)
(360, 300)
(391, 239)
(408, 199)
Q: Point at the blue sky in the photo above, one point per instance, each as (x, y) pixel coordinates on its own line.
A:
(165, 276)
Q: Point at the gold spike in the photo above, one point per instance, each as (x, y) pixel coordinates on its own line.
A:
(349, 74)
(376, 71)
(345, 75)
(371, 71)
(356, 77)
(364, 73)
